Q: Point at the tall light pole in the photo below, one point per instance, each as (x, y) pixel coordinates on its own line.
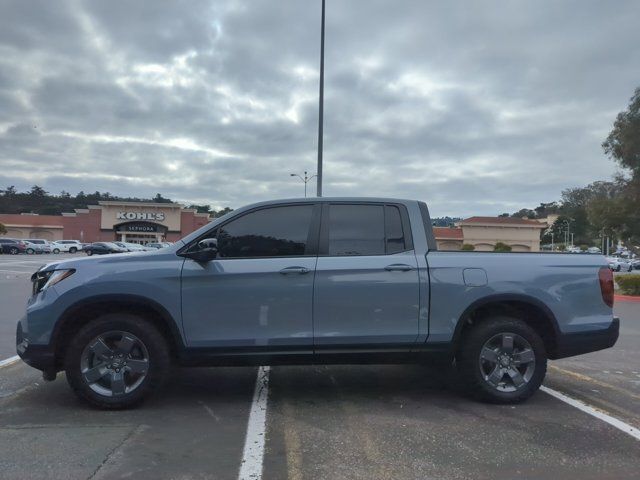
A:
(321, 106)
(305, 179)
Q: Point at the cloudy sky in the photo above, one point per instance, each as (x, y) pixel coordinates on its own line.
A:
(478, 108)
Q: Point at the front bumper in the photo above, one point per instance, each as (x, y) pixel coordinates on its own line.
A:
(570, 344)
(41, 357)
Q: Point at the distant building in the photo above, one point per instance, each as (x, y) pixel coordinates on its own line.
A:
(522, 234)
(138, 222)
(448, 238)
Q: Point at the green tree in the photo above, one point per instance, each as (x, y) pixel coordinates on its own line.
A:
(623, 142)
(222, 212)
(3, 229)
(501, 247)
(201, 208)
(37, 192)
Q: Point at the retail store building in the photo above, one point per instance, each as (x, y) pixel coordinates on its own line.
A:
(108, 221)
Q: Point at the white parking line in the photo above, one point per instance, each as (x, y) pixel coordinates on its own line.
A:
(253, 453)
(9, 361)
(619, 424)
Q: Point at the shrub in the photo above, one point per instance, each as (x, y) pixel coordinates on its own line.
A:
(584, 247)
(629, 284)
(501, 247)
(467, 247)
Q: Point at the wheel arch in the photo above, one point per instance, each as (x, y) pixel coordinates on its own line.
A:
(529, 309)
(78, 314)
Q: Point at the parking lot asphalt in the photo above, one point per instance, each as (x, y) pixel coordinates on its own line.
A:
(333, 422)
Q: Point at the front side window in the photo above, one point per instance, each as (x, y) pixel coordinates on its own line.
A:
(270, 232)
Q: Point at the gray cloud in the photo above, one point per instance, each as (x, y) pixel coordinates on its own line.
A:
(475, 108)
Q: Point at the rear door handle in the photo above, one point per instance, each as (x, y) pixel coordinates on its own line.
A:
(299, 270)
(398, 267)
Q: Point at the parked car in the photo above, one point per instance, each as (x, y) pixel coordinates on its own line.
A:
(593, 250)
(45, 246)
(70, 246)
(12, 246)
(574, 249)
(133, 247)
(635, 264)
(316, 280)
(102, 248)
(157, 245)
(33, 248)
(618, 264)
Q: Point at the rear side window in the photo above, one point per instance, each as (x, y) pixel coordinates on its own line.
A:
(270, 232)
(356, 230)
(365, 230)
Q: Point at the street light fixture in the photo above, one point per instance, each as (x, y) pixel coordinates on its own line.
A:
(305, 179)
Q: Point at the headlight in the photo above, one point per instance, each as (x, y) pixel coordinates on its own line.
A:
(43, 280)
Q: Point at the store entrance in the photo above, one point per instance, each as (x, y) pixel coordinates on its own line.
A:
(140, 239)
(140, 232)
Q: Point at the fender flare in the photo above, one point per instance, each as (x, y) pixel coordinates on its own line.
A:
(501, 298)
(138, 300)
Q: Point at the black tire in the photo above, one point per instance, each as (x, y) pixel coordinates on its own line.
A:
(30, 251)
(472, 368)
(157, 366)
(89, 252)
(14, 251)
(73, 250)
(56, 250)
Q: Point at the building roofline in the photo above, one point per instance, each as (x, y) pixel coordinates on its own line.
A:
(138, 204)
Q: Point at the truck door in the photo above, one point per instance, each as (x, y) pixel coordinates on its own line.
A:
(366, 291)
(257, 295)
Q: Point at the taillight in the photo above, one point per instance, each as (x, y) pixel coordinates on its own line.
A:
(605, 275)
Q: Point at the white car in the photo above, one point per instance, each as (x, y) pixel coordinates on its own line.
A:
(618, 264)
(593, 250)
(32, 248)
(71, 246)
(44, 245)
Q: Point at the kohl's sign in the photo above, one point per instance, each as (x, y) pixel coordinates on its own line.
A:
(158, 217)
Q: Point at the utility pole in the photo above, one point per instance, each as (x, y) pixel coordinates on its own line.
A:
(321, 106)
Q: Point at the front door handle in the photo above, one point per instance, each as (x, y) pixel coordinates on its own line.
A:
(299, 270)
(398, 267)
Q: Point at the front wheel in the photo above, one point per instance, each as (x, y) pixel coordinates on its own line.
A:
(115, 361)
(30, 251)
(89, 252)
(502, 360)
(56, 250)
(73, 250)
(14, 251)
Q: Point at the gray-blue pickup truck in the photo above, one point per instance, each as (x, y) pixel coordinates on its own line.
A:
(318, 280)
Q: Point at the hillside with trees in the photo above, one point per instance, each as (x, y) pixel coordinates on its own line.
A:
(37, 200)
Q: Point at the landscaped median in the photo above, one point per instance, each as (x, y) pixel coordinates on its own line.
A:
(629, 287)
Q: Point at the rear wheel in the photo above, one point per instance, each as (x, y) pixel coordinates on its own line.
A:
(89, 252)
(30, 251)
(73, 250)
(115, 361)
(502, 360)
(56, 250)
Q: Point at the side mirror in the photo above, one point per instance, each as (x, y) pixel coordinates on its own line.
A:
(207, 251)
